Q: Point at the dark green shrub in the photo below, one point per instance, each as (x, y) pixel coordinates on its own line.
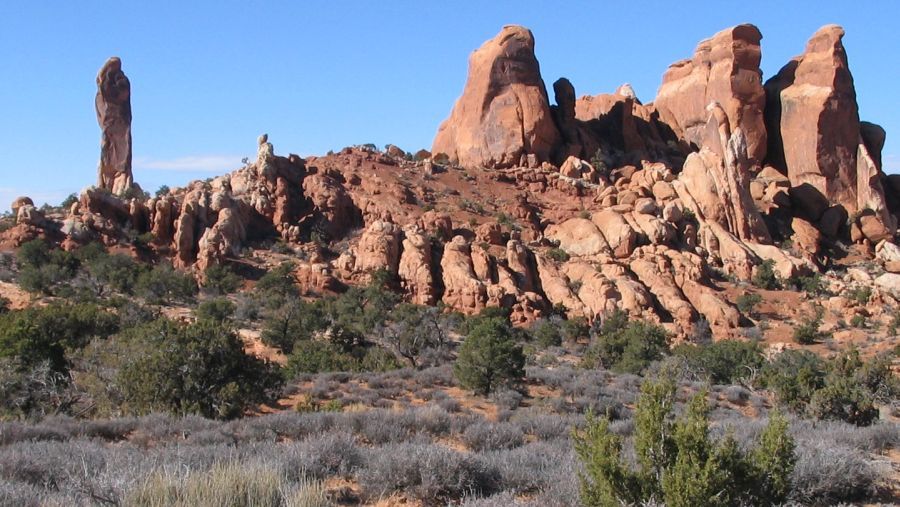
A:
(294, 321)
(313, 356)
(162, 190)
(216, 310)
(747, 303)
(765, 276)
(489, 358)
(807, 332)
(33, 254)
(722, 362)
(558, 254)
(547, 332)
(813, 284)
(626, 346)
(220, 280)
(44, 334)
(192, 369)
(794, 376)
(162, 285)
(68, 201)
(859, 295)
(677, 460)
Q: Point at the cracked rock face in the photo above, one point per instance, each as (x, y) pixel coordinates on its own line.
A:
(503, 114)
(113, 105)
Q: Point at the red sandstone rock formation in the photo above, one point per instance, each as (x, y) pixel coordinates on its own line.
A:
(113, 104)
(503, 114)
(724, 69)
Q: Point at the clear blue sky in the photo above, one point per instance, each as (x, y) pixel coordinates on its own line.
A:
(209, 76)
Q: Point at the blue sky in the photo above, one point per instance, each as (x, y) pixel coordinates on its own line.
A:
(209, 76)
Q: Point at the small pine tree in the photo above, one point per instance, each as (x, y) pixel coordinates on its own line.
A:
(678, 462)
(489, 358)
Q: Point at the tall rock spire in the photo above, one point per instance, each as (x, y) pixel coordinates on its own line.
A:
(113, 105)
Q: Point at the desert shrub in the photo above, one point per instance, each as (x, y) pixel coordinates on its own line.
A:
(507, 399)
(845, 400)
(722, 362)
(489, 358)
(794, 376)
(859, 295)
(67, 203)
(416, 333)
(746, 303)
(322, 456)
(278, 284)
(232, 483)
(220, 280)
(293, 321)
(826, 474)
(558, 254)
(43, 269)
(199, 368)
(486, 436)
(765, 277)
(117, 272)
(34, 392)
(38, 334)
(33, 254)
(424, 471)
(858, 321)
(164, 285)
(813, 285)
(807, 331)
(547, 332)
(575, 328)
(216, 310)
(678, 461)
(626, 346)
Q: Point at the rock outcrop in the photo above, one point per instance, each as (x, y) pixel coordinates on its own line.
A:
(504, 113)
(724, 69)
(113, 105)
(817, 138)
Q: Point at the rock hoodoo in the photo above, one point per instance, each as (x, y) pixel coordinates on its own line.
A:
(724, 69)
(113, 105)
(594, 204)
(833, 159)
(503, 114)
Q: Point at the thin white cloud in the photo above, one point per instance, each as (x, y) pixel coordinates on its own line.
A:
(193, 163)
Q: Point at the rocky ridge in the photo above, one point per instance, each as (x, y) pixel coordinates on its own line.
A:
(589, 205)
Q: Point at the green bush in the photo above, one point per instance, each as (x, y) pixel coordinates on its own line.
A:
(807, 332)
(192, 369)
(626, 346)
(489, 358)
(859, 295)
(547, 332)
(678, 462)
(164, 285)
(722, 362)
(558, 254)
(765, 276)
(794, 376)
(295, 320)
(216, 310)
(813, 285)
(38, 334)
(220, 280)
(747, 303)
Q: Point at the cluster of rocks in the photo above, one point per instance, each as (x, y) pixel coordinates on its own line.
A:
(710, 176)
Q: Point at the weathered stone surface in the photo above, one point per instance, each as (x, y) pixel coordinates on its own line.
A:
(504, 112)
(817, 138)
(578, 236)
(462, 289)
(715, 181)
(113, 105)
(724, 69)
(379, 247)
(18, 202)
(415, 267)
